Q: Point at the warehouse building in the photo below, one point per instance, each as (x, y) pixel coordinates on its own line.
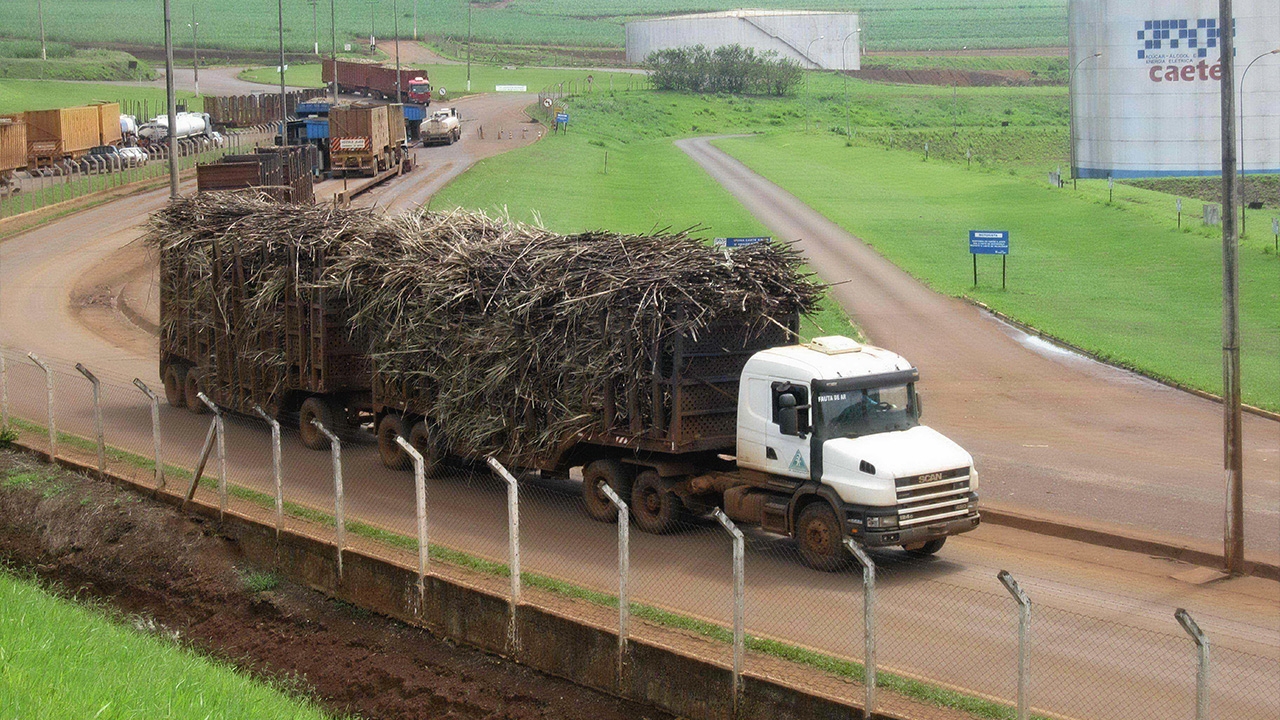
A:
(1146, 87)
(814, 39)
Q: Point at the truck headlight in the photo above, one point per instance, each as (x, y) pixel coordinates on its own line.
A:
(973, 479)
(882, 522)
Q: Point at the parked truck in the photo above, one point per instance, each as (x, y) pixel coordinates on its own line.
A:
(361, 140)
(819, 441)
(444, 127)
(54, 136)
(187, 125)
(13, 149)
(376, 80)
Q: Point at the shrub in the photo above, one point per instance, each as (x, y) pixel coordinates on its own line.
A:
(729, 69)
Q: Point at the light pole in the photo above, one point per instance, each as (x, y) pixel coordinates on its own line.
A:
(315, 26)
(171, 101)
(284, 105)
(807, 49)
(844, 60)
(40, 11)
(1243, 75)
(415, 20)
(195, 47)
(333, 46)
(1071, 110)
(469, 3)
(373, 41)
(1232, 443)
(395, 28)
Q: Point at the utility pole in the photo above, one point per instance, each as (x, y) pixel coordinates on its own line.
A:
(172, 101)
(469, 3)
(333, 45)
(395, 28)
(1071, 112)
(1233, 445)
(195, 47)
(315, 26)
(373, 41)
(415, 20)
(284, 105)
(44, 55)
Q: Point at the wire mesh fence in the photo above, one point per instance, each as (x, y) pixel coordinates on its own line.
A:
(946, 634)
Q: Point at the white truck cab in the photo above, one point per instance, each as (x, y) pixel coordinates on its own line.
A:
(840, 422)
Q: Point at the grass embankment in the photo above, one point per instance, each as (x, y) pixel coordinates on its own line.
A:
(1118, 279)
(59, 660)
(252, 25)
(453, 78)
(1043, 69)
(21, 95)
(21, 59)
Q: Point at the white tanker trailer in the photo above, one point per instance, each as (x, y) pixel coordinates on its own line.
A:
(188, 124)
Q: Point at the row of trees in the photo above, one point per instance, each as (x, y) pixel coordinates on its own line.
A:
(728, 69)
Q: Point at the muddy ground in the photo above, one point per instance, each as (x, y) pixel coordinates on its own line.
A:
(1264, 189)
(97, 541)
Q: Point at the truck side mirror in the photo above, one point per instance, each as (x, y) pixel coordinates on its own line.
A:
(917, 407)
(788, 415)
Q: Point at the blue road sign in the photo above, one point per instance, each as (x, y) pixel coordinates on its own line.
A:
(740, 242)
(989, 242)
(562, 117)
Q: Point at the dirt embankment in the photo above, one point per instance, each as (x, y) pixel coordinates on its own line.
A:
(950, 76)
(98, 541)
(1257, 191)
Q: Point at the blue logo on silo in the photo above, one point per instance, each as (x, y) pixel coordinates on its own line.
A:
(1192, 38)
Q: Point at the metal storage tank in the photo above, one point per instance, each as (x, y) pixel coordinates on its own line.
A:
(815, 39)
(1150, 104)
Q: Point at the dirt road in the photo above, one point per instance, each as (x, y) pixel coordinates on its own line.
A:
(945, 619)
(1051, 431)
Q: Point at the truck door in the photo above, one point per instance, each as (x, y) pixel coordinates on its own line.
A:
(787, 433)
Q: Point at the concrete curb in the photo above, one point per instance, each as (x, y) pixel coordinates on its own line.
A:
(1097, 358)
(1096, 534)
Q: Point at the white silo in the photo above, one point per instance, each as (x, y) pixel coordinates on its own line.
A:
(1150, 104)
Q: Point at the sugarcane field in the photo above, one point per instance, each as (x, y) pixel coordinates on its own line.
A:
(550, 359)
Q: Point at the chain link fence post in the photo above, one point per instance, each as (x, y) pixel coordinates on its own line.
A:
(513, 535)
(48, 384)
(868, 621)
(1024, 641)
(221, 431)
(97, 419)
(420, 501)
(276, 473)
(155, 429)
(4, 391)
(739, 604)
(1202, 661)
(624, 572)
(339, 519)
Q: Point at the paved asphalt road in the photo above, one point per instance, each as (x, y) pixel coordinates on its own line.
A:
(944, 619)
(1051, 431)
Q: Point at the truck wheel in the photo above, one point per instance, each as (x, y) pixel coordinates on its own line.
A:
(926, 549)
(654, 508)
(818, 534)
(315, 408)
(393, 456)
(175, 378)
(191, 394)
(424, 439)
(596, 474)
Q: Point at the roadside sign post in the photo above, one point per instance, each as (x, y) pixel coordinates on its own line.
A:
(1111, 189)
(1179, 213)
(1275, 230)
(990, 242)
(562, 121)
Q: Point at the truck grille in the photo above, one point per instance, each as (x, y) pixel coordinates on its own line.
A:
(932, 497)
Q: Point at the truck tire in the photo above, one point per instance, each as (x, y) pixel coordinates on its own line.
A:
(926, 549)
(175, 378)
(595, 474)
(424, 439)
(393, 456)
(315, 408)
(655, 509)
(191, 394)
(819, 539)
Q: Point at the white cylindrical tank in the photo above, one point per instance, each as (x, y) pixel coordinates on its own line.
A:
(1150, 104)
(188, 124)
(815, 39)
(128, 125)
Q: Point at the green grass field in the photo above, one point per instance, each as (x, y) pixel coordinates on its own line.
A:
(20, 95)
(61, 661)
(249, 25)
(79, 65)
(453, 78)
(1117, 279)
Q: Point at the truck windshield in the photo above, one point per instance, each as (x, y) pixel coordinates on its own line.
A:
(853, 413)
(420, 88)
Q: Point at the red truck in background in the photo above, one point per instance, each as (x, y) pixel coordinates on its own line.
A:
(375, 79)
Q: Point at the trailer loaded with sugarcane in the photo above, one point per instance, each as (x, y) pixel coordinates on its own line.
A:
(670, 370)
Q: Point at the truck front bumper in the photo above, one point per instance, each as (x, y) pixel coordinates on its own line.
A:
(916, 534)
